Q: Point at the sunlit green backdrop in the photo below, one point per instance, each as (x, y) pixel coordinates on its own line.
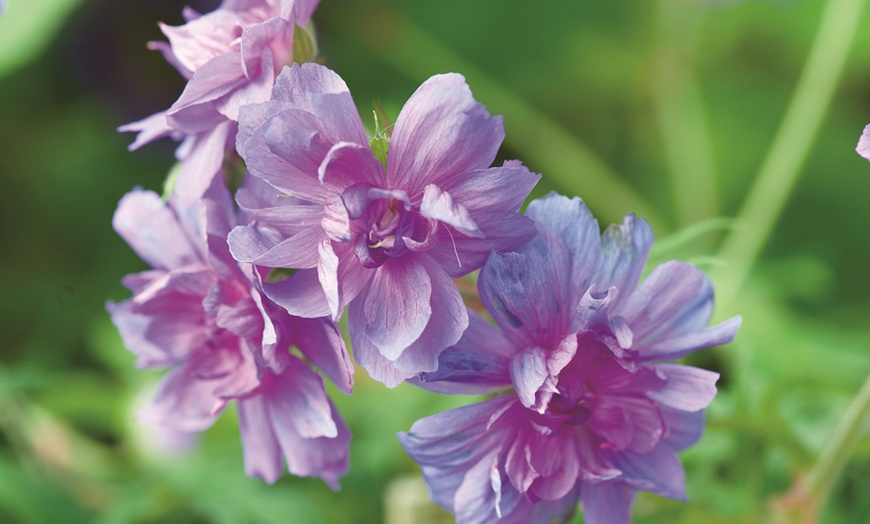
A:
(730, 125)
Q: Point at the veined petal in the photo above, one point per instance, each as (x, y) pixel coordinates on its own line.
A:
(267, 247)
(658, 470)
(498, 189)
(578, 229)
(350, 163)
(525, 292)
(148, 130)
(397, 305)
(203, 160)
(259, 443)
(441, 133)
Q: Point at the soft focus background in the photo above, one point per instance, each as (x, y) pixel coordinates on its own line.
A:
(667, 108)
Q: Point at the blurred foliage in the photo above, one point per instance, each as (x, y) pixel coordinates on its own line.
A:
(634, 106)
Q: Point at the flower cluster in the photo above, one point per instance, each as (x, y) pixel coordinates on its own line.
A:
(328, 218)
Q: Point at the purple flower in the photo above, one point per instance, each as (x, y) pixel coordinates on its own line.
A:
(230, 58)
(383, 237)
(594, 413)
(203, 314)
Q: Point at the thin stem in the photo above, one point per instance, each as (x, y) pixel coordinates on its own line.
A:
(824, 474)
(790, 147)
(565, 161)
(680, 114)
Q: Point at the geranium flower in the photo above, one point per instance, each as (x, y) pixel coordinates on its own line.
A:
(230, 57)
(594, 412)
(387, 237)
(201, 313)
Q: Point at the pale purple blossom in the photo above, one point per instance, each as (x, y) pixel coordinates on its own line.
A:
(203, 314)
(383, 238)
(230, 57)
(594, 411)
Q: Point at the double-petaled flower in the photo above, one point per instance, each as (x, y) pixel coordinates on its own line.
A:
(384, 237)
(593, 411)
(203, 314)
(230, 57)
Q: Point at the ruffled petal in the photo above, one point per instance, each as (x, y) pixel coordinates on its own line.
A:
(439, 205)
(301, 294)
(441, 133)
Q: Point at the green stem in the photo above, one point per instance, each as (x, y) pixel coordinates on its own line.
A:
(790, 147)
(824, 474)
(565, 161)
(680, 114)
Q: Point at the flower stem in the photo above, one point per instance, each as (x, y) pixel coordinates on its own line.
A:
(680, 114)
(824, 474)
(790, 147)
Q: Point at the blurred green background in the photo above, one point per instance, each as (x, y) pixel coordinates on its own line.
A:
(668, 108)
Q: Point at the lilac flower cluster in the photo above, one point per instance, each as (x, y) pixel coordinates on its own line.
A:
(329, 219)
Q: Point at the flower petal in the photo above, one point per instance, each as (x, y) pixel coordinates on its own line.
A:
(441, 133)
(440, 205)
(688, 388)
(397, 305)
(607, 502)
(624, 249)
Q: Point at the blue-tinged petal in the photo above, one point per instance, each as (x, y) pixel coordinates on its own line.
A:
(441, 133)
(193, 112)
(528, 373)
(160, 340)
(477, 364)
(684, 428)
(397, 305)
(447, 445)
(525, 292)
(672, 348)
(148, 130)
(439, 205)
(624, 249)
(675, 299)
(659, 471)
(476, 499)
(607, 502)
(687, 388)
(572, 220)
(367, 354)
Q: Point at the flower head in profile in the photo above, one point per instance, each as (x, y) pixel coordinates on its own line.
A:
(594, 413)
(229, 57)
(202, 314)
(382, 235)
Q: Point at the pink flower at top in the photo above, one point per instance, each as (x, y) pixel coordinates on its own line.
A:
(230, 58)
(201, 313)
(385, 238)
(594, 412)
